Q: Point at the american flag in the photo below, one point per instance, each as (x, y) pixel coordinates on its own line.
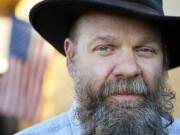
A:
(20, 93)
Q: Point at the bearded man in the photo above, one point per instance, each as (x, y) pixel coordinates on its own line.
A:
(118, 54)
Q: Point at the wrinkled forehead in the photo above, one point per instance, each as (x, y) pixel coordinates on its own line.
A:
(100, 21)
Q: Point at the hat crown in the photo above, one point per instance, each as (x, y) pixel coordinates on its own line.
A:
(155, 4)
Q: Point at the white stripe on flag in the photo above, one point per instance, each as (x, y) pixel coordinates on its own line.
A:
(22, 84)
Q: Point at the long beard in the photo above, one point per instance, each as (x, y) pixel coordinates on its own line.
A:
(99, 116)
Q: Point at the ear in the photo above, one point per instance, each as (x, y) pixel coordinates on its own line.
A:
(68, 48)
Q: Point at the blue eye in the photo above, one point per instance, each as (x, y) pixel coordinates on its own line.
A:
(145, 51)
(103, 48)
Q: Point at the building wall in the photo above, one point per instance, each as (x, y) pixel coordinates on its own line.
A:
(172, 7)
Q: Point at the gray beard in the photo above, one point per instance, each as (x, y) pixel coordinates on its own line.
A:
(99, 116)
(105, 121)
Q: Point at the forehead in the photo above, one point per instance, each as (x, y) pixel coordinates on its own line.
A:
(94, 24)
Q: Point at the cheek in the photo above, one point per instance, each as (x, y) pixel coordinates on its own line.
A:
(151, 70)
(98, 70)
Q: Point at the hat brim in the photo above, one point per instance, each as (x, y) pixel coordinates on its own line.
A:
(53, 20)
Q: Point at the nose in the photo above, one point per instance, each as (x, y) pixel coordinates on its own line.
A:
(126, 66)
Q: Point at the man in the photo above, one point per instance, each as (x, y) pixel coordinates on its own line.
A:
(118, 54)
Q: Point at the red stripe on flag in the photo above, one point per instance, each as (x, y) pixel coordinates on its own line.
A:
(22, 84)
(36, 72)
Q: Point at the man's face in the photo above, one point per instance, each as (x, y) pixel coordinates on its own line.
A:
(111, 47)
(116, 67)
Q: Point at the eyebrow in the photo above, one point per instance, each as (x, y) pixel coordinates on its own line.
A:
(150, 39)
(107, 39)
(111, 39)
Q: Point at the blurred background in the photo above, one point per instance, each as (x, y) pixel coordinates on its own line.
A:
(34, 82)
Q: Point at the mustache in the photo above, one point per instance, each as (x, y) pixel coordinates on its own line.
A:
(134, 85)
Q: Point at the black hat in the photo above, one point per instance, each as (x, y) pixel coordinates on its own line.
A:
(53, 19)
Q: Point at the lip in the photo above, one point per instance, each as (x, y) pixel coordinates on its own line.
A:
(126, 97)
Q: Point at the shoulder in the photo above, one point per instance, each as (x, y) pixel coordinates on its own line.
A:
(57, 125)
(174, 129)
